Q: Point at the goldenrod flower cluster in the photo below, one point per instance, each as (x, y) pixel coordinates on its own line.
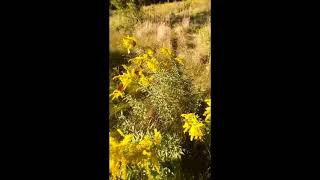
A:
(144, 81)
(153, 64)
(133, 156)
(150, 52)
(135, 73)
(179, 60)
(129, 42)
(193, 126)
(157, 137)
(207, 113)
(127, 152)
(116, 94)
(126, 78)
(166, 51)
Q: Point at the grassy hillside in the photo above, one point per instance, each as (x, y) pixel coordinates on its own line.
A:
(160, 105)
(182, 26)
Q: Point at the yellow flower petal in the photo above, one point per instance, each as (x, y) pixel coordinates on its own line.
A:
(116, 94)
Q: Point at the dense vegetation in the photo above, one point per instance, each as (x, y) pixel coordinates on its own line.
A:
(160, 107)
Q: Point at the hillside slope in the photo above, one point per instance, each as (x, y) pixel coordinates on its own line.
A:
(182, 26)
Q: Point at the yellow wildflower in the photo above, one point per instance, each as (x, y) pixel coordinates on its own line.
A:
(112, 166)
(120, 132)
(116, 94)
(153, 64)
(196, 131)
(186, 127)
(207, 113)
(129, 42)
(156, 164)
(191, 117)
(127, 153)
(123, 169)
(150, 52)
(157, 137)
(208, 101)
(139, 59)
(144, 81)
(118, 155)
(146, 143)
(127, 139)
(179, 60)
(126, 78)
(146, 153)
(148, 171)
(115, 158)
(166, 52)
(130, 72)
(112, 141)
(193, 126)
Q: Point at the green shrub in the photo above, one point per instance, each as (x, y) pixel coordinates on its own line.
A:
(156, 104)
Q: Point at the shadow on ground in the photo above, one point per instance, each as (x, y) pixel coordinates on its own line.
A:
(116, 59)
(200, 19)
(197, 20)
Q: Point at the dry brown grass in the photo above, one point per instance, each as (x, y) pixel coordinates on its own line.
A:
(154, 35)
(173, 25)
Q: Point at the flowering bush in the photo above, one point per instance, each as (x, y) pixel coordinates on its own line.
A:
(153, 95)
(131, 152)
